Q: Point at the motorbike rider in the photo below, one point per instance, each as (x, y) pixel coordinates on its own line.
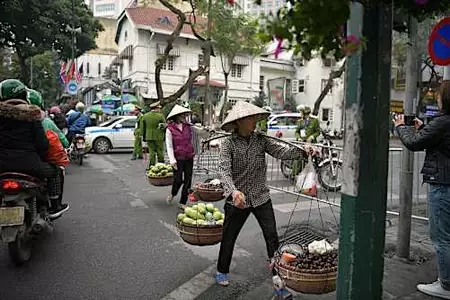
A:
(35, 98)
(59, 118)
(23, 142)
(77, 122)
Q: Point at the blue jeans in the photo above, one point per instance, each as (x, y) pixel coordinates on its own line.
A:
(439, 215)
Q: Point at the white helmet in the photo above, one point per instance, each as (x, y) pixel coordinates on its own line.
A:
(300, 107)
(80, 106)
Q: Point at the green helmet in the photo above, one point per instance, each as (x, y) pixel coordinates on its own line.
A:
(306, 110)
(13, 89)
(35, 98)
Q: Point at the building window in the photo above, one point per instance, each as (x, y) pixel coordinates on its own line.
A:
(126, 36)
(301, 85)
(99, 69)
(261, 83)
(236, 70)
(105, 7)
(201, 60)
(324, 84)
(87, 68)
(327, 114)
(169, 64)
(329, 62)
(130, 64)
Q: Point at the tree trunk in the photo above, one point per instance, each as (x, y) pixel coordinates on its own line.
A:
(23, 67)
(225, 96)
(163, 58)
(333, 75)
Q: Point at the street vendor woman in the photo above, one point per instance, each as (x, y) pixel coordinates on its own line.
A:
(242, 169)
(153, 134)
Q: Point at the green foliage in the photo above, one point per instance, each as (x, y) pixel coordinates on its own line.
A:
(233, 33)
(196, 107)
(45, 76)
(317, 26)
(32, 27)
(259, 100)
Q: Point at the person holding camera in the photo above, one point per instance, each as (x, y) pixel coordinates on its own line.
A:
(434, 138)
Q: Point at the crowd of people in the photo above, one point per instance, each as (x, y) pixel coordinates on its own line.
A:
(26, 144)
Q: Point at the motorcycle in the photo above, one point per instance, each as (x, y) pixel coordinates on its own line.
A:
(326, 163)
(24, 214)
(78, 149)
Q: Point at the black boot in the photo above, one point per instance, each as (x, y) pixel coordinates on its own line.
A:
(57, 208)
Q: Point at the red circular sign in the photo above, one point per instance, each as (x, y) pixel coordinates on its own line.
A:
(439, 43)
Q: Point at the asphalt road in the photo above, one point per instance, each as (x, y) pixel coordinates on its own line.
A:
(119, 242)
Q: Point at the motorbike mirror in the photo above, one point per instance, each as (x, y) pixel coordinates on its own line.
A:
(118, 126)
(328, 123)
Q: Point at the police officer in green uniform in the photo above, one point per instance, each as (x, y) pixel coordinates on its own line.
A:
(153, 133)
(137, 150)
(262, 126)
(308, 127)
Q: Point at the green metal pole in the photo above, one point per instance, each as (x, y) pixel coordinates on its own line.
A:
(366, 143)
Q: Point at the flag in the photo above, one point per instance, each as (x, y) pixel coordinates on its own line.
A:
(62, 72)
(71, 72)
(80, 73)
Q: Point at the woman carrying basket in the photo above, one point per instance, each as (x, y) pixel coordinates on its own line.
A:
(242, 168)
(181, 139)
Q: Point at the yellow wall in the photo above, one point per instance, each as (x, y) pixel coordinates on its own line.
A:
(105, 40)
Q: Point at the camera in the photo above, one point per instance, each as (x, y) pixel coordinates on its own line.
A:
(409, 120)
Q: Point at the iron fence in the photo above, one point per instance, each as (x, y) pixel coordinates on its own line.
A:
(282, 174)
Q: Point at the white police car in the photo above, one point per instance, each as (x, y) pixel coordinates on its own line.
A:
(283, 125)
(117, 133)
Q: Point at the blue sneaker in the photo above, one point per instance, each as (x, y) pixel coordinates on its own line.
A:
(222, 279)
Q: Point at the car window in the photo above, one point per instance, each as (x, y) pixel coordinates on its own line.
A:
(293, 120)
(130, 123)
(281, 121)
(108, 123)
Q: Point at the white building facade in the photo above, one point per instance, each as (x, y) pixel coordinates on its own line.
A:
(141, 37)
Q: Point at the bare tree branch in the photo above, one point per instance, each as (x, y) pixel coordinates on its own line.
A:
(161, 61)
(192, 76)
(192, 24)
(333, 75)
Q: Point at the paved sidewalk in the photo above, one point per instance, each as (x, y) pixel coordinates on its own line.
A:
(400, 277)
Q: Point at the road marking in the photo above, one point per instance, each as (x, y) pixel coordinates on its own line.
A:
(301, 206)
(197, 285)
(194, 287)
(138, 203)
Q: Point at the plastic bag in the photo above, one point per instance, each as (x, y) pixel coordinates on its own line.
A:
(56, 153)
(306, 180)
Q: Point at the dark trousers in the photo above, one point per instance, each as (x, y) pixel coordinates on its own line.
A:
(183, 176)
(54, 179)
(232, 225)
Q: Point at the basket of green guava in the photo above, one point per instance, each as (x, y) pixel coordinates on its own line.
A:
(160, 175)
(200, 224)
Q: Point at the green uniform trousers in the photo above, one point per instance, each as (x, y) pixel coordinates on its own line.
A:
(137, 150)
(155, 152)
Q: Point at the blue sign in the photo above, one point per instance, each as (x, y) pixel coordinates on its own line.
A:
(72, 87)
(439, 43)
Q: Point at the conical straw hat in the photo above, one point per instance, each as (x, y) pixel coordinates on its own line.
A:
(178, 110)
(241, 110)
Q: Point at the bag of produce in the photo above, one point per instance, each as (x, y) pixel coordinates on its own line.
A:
(306, 180)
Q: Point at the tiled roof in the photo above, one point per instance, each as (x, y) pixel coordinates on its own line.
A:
(160, 19)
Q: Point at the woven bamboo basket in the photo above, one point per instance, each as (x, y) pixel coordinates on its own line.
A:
(200, 235)
(316, 282)
(209, 195)
(160, 181)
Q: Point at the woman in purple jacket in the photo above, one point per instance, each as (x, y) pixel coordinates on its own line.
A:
(180, 149)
